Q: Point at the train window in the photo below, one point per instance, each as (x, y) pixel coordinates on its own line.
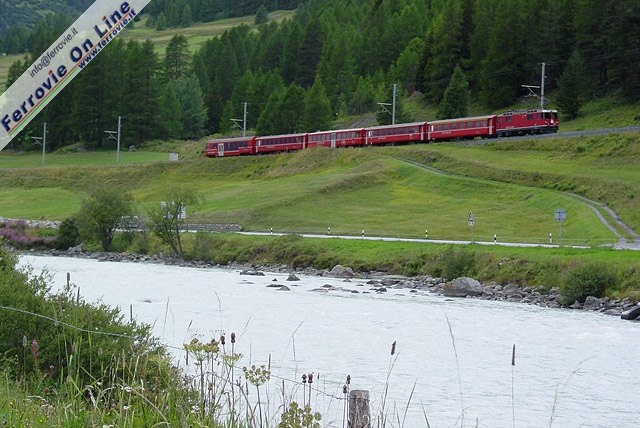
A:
(507, 119)
(446, 126)
(529, 117)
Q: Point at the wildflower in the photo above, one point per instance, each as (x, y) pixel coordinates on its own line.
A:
(34, 349)
(24, 341)
(222, 339)
(393, 347)
(233, 338)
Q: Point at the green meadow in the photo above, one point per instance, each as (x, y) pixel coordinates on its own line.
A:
(196, 34)
(513, 188)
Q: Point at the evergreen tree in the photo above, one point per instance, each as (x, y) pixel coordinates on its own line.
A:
(267, 122)
(162, 23)
(317, 109)
(623, 40)
(290, 110)
(140, 109)
(310, 54)
(503, 71)
(262, 16)
(445, 46)
(187, 16)
(337, 68)
(170, 117)
(363, 99)
(192, 107)
(177, 58)
(407, 67)
(291, 54)
(572, 86)
(455, 102)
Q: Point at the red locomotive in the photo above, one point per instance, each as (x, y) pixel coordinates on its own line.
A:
(507, 124)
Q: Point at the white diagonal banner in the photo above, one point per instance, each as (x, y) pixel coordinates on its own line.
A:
(64, 59)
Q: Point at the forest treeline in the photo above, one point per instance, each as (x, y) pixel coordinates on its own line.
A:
(342, 57)
(18, 17)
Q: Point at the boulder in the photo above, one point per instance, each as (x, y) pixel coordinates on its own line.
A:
(631, 314)
(564, 300)
(339, 271)
(462, 287)
(292, 277)
(252, 272)
(592, 303)
(284, 288)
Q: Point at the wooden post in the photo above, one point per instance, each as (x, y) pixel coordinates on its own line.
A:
(359, 413)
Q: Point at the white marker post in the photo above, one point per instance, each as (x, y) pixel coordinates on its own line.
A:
(61, 62)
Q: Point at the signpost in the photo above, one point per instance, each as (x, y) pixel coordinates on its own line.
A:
(471, 222)
(560, 216)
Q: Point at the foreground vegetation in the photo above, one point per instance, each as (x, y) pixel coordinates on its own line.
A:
(65, 362)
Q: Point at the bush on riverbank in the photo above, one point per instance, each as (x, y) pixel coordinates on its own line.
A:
(589, 279)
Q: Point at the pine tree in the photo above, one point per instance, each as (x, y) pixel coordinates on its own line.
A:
(455, 102)
(317, 109)
(407, 67)
(310, 54)
(187, 16)
(445, 43)
(192, 107)
(162, 23)
(177, 58)
(572, 86)
(262, 16)
(170, 117)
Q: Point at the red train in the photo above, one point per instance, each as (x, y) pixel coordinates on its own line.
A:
(490, 126)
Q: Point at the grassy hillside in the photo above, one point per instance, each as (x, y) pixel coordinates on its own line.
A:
(512, 188)
(197, 33)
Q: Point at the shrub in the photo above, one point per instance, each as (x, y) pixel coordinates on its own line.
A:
(458, 263)
(589, 279)
(18, 234)
(68, 234)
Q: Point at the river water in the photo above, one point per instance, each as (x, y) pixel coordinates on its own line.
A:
(572, 368)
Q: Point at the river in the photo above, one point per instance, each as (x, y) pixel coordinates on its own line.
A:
(579, 368)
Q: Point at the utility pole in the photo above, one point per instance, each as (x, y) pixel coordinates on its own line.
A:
(115, 135)
(393, 105)
(393, 115)
(44, 141)
(542, 87)
(236, 122)
(531, 88)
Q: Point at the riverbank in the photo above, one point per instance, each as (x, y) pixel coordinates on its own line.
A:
(382, 282)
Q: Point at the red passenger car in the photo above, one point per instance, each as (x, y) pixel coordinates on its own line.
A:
(526, 122)
(281, 143)
(230, 147)
(402, 133)
(461, 128)
(339, 138)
